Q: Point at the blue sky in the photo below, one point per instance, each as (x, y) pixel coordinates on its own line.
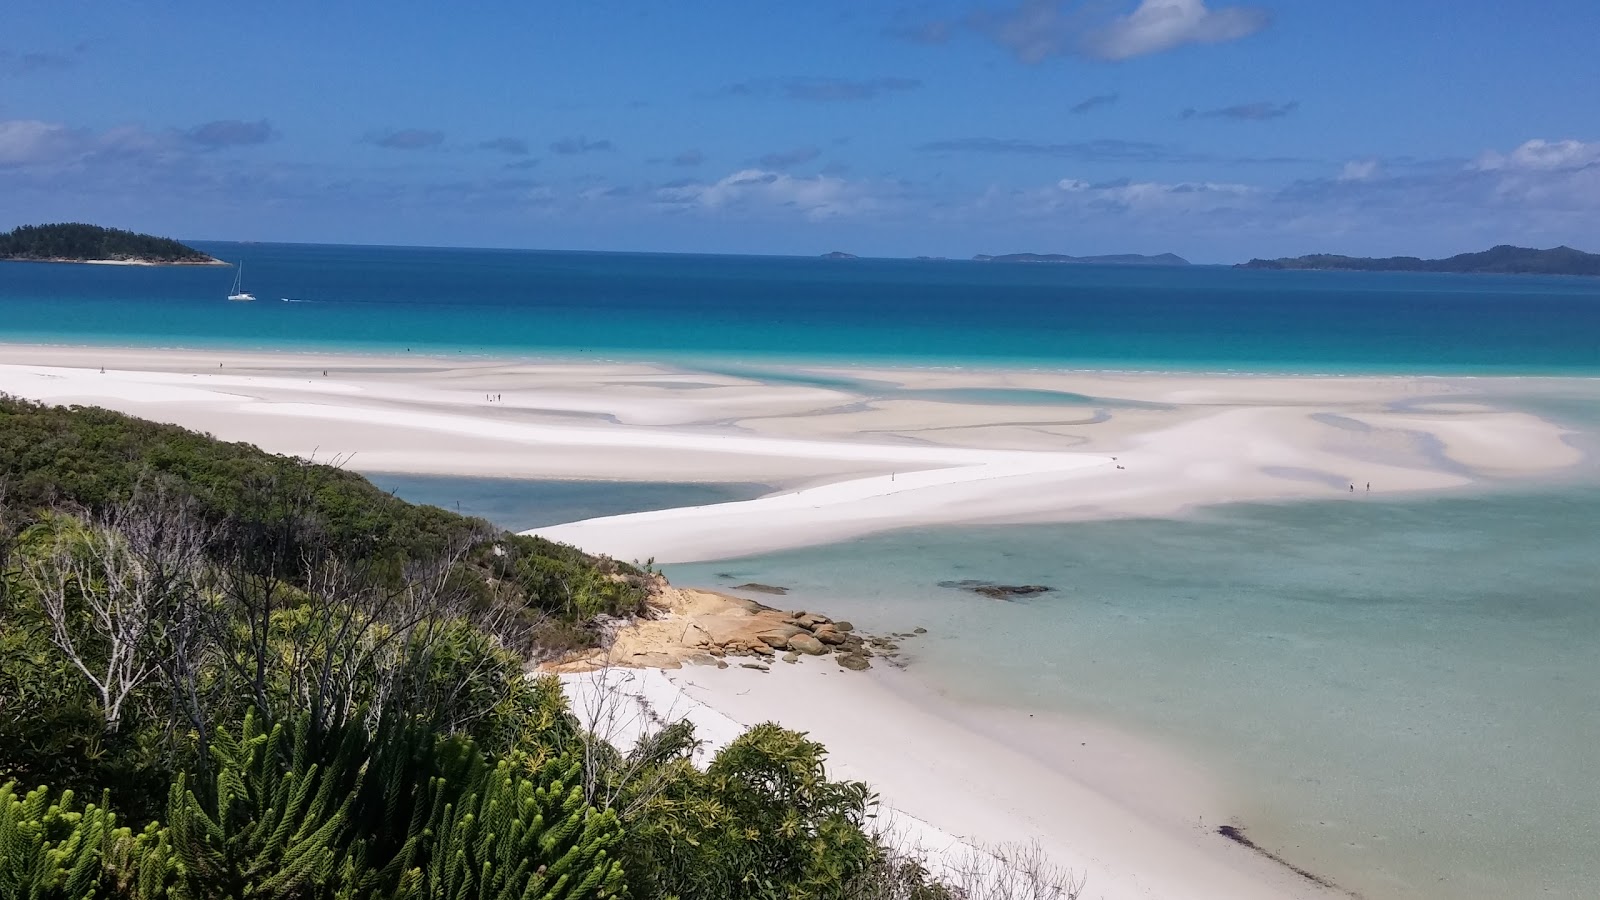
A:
(1211, 129)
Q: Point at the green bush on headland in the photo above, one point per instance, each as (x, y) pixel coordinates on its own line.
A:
(77, 241)
(280, 683)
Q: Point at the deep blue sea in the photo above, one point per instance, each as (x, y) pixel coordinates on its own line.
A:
(1402, 695)
(500, 302)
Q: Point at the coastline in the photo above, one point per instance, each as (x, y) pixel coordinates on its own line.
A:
(1126, 817)
(956, 782)
(850, 464)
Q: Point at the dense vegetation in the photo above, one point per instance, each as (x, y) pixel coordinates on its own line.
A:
(1504, 259)
(226, 674)
(76, 241)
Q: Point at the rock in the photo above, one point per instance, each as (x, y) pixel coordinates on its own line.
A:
(812, 620)
(806, 644)
(919, 631)
(844, 626)
(721, 664)
(760, 588)
(761, 649)
(791, 657)
(759, 667)
(828, 636)
(998, 591)
(775, 639)
(853, 662)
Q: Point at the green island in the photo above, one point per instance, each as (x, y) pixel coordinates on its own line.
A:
(77, 242)
(1504, 259)
(229, 674)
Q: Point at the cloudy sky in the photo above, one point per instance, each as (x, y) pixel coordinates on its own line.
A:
(1213, 129)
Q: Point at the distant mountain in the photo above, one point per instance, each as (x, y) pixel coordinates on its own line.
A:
(1504, 259)
(76, 242)
(839, 254)
(1115, 259)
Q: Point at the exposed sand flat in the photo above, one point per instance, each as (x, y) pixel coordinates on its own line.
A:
(844, 461)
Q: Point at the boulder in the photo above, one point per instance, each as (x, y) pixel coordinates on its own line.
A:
(805, 643)
(844, 626)
(812, 620)
(760, 588)
(853, 662)
(761, 649)
(791, 657)
(774, 639)
(919, 630)
(759, 667)
(828, 636)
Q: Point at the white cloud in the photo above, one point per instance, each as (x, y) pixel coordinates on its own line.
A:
(1360, 170)
(1158, 25)
(1071, 196)
(28, 142)
(816, 197)
(1542, 155)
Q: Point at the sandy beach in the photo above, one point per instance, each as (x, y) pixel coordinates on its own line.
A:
(1127, 819)
(887, 449)
(842, 461)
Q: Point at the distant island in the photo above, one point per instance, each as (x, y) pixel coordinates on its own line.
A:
(1504, 259)
(78, 243)
(1114, 259)
(839, 254)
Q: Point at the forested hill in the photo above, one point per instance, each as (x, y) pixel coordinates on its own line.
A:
(77, 242)
(1504, 259)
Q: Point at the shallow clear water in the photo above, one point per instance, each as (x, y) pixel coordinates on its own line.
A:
(518, 504)
(1401, 695)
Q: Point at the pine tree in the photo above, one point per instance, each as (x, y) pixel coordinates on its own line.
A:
(273, 821)
(48, 849)
(521, 833)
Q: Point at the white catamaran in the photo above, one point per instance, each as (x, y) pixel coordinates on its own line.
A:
(239, 293)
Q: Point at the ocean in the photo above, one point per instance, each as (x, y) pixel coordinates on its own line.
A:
(742, 309)
(1401, 694)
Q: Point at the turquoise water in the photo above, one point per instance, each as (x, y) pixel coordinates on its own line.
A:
(519, 504)
(1401, 695)
(743, 308)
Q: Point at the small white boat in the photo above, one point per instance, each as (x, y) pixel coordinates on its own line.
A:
(239, 293)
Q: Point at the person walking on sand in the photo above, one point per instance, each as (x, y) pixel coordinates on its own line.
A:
(1369, 487)
(1352, 488)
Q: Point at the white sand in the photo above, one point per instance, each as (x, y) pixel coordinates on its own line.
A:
(1127, 820)
(843, 464)
(847, 463)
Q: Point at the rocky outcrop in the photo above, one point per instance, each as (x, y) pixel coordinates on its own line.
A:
(704, 627)
(998, 591)
(760, 588)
